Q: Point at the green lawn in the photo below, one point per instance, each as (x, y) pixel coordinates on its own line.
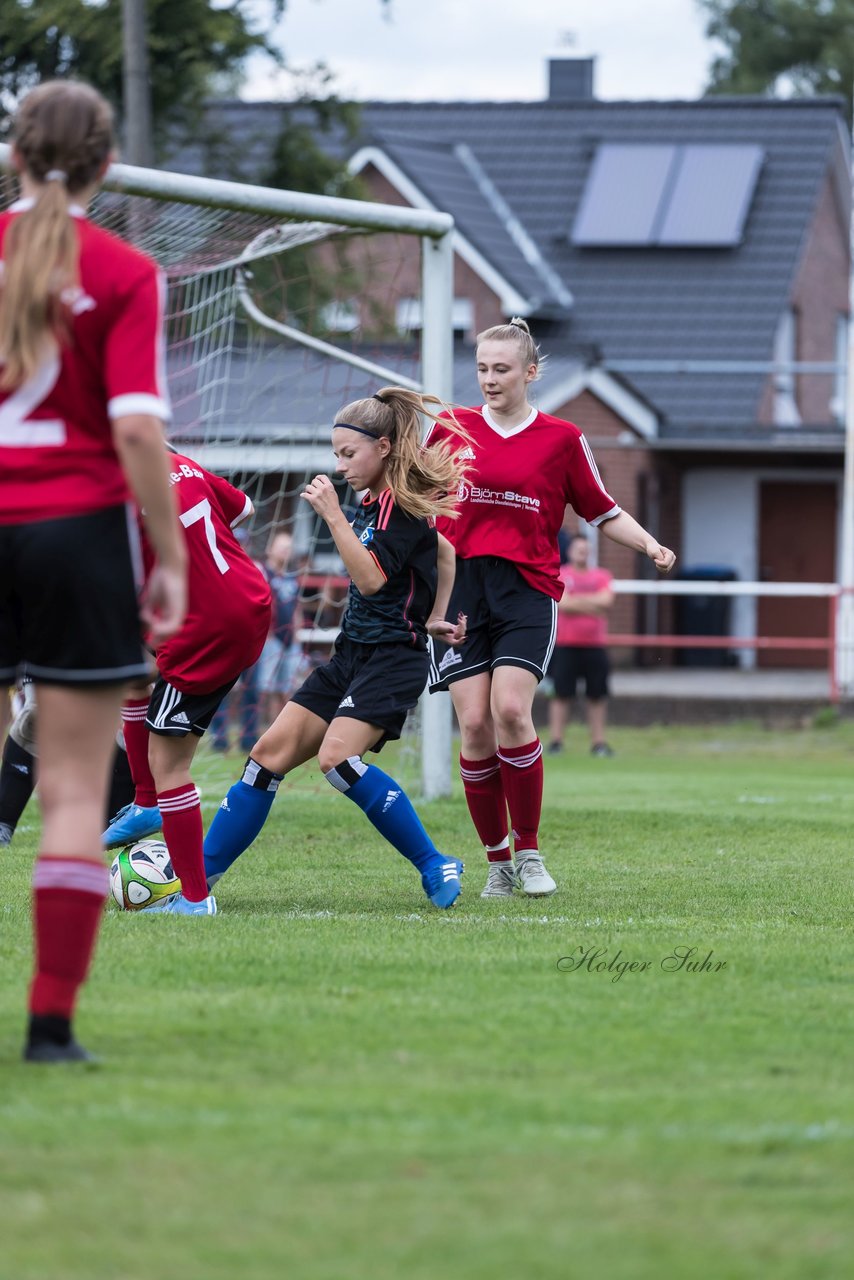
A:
(333, 1081)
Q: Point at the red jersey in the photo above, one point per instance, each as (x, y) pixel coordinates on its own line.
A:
(512, 500)
(228, 610)
(56, 450)
(589, 630)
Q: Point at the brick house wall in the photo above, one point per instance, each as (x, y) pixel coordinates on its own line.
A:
(819, 297)
(467, 283)
(627, 475)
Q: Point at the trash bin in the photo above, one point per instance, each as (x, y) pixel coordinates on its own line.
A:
(704, 616)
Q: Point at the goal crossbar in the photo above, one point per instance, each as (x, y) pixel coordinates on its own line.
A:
(191, 189)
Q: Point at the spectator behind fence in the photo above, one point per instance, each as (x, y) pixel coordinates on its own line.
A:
(582, 633)
(280, 660)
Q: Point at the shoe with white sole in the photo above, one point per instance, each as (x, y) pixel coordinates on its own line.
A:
(501, 880)
(532, 875)
(181, 906)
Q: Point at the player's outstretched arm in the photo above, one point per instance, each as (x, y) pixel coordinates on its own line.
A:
(625, 530)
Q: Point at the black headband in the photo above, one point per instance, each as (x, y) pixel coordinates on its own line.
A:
(351, 426)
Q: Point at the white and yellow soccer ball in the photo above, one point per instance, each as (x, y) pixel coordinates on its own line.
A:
(142, 875)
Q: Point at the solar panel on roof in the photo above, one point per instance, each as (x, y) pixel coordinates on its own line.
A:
(623, 195)
(667, 195)
(711, 195)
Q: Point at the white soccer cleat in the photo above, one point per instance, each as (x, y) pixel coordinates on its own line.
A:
(501, 881)
(533, 877)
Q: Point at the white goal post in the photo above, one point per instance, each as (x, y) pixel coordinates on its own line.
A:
(210, 236)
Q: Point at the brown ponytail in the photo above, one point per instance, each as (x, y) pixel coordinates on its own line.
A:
(62, 136)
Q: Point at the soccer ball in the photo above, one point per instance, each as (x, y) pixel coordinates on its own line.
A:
(142, 875)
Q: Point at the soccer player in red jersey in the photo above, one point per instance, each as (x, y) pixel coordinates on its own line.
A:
(82, 402)
(525, 467)
(228, 618)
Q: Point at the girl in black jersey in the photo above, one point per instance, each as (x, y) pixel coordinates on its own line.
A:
(402, 572)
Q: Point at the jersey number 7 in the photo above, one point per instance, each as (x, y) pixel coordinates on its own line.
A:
(202, 511)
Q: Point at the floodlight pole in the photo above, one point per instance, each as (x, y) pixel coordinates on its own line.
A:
(845, 608)
(437, 368)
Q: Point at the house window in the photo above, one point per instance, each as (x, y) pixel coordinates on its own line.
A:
(785, 353)
(340, 317)
(409, 315)
(840, 358)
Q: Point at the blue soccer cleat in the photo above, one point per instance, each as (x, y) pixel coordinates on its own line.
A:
(441, 881)
(181, 906)
(132, 823)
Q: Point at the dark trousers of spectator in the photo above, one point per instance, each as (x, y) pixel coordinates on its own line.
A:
(245, 701)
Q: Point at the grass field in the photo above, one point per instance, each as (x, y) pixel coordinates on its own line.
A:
(333, 1081)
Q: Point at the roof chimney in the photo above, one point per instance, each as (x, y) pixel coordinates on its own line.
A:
(571, 79)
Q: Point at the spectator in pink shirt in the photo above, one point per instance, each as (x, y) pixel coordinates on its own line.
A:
(582, 634)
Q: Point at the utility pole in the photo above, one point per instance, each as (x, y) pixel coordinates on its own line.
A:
(138, 145)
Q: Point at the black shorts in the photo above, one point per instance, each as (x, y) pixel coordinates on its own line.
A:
(174, 714)
(376, 683)
(591, 664)
(69, 612)
(510, 623)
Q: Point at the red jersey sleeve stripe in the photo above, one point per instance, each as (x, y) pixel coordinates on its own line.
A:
(247, 511)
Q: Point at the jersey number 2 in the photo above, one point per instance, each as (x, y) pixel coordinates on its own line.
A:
(202, 511)
(17, 429)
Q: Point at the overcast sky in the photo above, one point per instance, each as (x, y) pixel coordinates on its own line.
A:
(491, 49)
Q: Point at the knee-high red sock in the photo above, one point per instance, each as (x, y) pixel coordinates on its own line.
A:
(68, 898)
(522, 774)
(485, 798)
(181, 813)
(135, 732)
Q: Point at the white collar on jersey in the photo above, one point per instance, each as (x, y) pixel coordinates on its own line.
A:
(27, 203)
(506, 432)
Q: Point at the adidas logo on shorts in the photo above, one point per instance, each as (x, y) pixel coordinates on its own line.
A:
(346, 702)
(391, 796)
(450, 659)
(179, 718)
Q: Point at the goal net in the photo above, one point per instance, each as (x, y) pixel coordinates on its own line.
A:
(282, 307)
